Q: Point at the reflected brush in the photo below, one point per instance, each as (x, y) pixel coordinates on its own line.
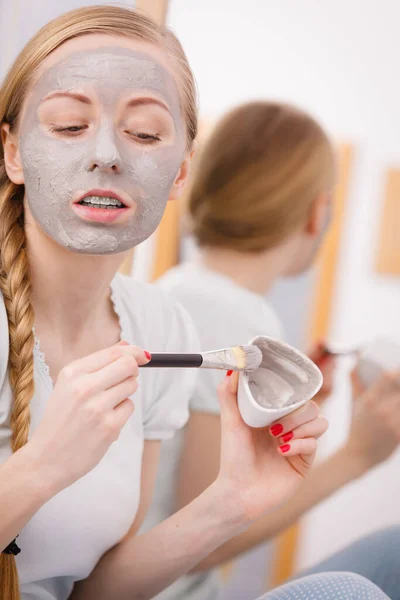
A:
(237, 358)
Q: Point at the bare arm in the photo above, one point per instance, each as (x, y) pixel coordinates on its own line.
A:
(202, 448)
(182, 541)
(372, 439)
(24, 488)
(141, 566)
(151, 452)
(324, 480)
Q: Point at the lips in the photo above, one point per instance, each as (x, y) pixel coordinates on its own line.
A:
(101, 206)
(103, 198)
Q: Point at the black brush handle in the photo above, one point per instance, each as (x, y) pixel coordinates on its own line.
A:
(165, 359)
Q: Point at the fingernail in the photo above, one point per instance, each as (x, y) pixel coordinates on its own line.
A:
(229, 373)
(123, 343)
(284, 448)
(276, 429)
(147, 355)
(287, 437)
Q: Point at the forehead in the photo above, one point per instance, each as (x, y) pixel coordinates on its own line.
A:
(110, 70)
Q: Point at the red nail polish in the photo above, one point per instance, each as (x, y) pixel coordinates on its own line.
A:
(284, 448)
(229, 373)
(287, 437)
(147, 355)
(276, 429)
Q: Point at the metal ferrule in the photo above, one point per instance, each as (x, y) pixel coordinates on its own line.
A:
(226, 359)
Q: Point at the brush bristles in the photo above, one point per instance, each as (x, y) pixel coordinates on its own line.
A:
(248, 358)
(238, 358)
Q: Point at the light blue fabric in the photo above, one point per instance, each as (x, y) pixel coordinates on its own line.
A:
(328, 586)
(376, 557)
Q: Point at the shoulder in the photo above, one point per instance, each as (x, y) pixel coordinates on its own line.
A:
(224, 314)
(216, 314)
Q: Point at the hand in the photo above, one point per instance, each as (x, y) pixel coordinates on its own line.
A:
(375, 426)
(85, 413)
(263, 467)
(327, 364)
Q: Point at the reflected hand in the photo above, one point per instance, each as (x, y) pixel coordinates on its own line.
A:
(327, 364)
(375, 426)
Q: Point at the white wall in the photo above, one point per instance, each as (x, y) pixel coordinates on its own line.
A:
(340, 60)
(21, 19)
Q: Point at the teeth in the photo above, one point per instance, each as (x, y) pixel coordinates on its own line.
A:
(101, 202)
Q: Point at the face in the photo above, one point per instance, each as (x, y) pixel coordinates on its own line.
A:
(101, 143)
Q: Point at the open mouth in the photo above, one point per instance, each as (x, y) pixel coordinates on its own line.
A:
(103, 206)
(105, 202)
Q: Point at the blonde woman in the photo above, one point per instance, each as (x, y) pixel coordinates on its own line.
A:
(97, 120)
(259, 206)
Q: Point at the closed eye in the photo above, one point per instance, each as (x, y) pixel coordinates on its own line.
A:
(70, 129)
(148, 138)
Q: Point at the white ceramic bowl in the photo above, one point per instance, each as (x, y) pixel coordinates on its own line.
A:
(256, 415)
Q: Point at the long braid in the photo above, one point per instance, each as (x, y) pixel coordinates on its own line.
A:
(16, 287)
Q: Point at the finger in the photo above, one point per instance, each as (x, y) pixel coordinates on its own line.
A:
(321, 356)
(356, 383)
(98, 360)
(111, 375)
(305, 413)
(304, 447)
(326, 362)
(389, 383)
(317, 351)
(389, 413)
(118, 393)
(381, 391)
(312, 429)
(328, 369)
(227, 396)
(122, 412)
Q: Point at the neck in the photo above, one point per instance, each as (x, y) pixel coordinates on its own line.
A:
(256, 272)
(70, 291)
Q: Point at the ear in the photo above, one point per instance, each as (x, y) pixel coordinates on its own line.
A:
(320, 215)
(182, 176)
(12, 159)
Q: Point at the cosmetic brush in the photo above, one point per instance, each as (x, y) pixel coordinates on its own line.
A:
(329, 351)
(237, 358)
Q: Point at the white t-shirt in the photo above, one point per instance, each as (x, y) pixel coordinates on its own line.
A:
(66, 538)
(225, 314)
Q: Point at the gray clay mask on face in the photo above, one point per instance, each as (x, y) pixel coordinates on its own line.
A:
(57, 169)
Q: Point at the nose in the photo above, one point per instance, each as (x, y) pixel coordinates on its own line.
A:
(104, 154)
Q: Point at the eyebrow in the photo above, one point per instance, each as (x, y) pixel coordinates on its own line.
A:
(148, 100)
(62, 94)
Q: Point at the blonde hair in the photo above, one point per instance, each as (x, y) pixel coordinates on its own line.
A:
(257, 177)
(14, 265)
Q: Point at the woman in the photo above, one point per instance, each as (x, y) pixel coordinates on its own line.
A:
(259, 206)
(97, 119)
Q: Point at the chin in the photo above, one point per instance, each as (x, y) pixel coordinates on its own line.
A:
(96, 251)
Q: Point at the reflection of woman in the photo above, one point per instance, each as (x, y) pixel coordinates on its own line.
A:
(98, 118)
(259, 206)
